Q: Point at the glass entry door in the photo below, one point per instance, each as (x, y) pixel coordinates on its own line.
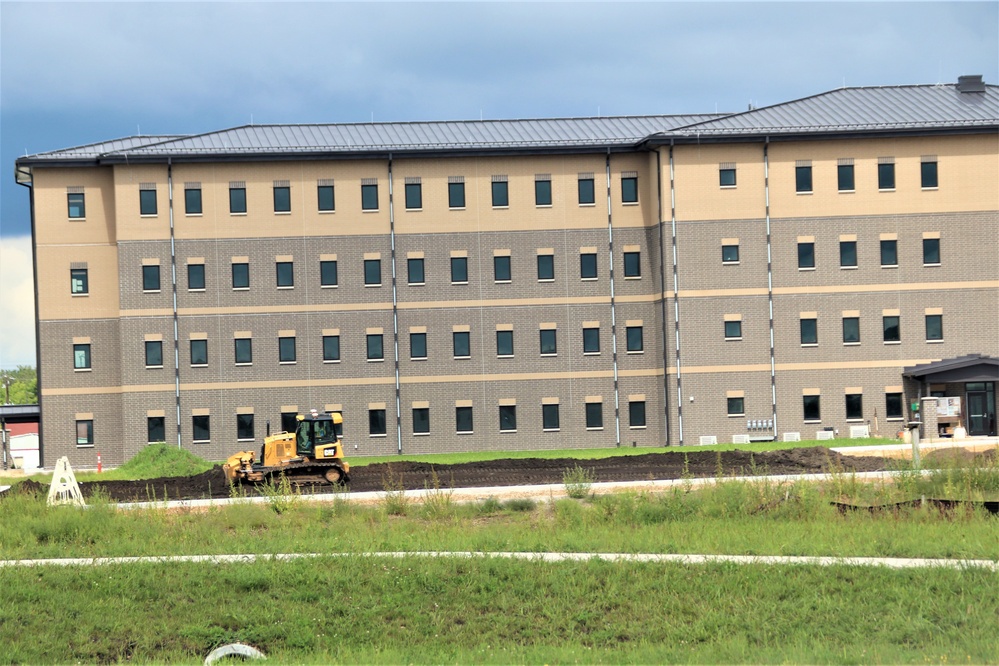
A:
(981, 408)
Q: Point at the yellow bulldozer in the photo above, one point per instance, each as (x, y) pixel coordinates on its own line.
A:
(311, 454)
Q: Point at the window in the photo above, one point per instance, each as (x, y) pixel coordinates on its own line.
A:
(806, 255)
(285, 274)
(591, 340)
(848, 254)
(282, 199)
(629, 189)
(289, 421)
(809, 332)
(192, 199)
(851, 330)
(594, 415)
(854, 406)
(934, 327)
(549, 417)
(244, 351)
(931, 251)
(373, 272)
(928, 174)
(150, 278)
(415, 270)
(844, 176)
(155, 429)
(730, 254)
(421, 420)
(85, 432)
(635, 342)
(508, 418)
(462, 346)
(244, 426)
(886, 176)
(636, 414)
(542, 192)
(459, 270)
(892, 332)
(726, 176)
(241, 276)
(326, 197)
(586, 190)
(733, 330)
(811, 408)
(286, 350)
(331, 348)
(463, 419)
(632, 264)
(154, 353)
(501, 194)
(588, 266)
(369, 196)
(803, 178)
(199, 352)
(196, 277)
(77, 206)
(376, 351)
(549, 343)
(201, 428)
(889, 253)
(414, 196)
(147, 200)
(501, 268)
(417, 345)
(893, 405)
(237, 198)
(504, 343)
(327, 273)
(456, 194)
(376, 422)
(546, 267)
(81, 357)
(78, 281)
(736, 406)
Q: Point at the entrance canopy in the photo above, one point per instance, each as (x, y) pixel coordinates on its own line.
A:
(970, 368)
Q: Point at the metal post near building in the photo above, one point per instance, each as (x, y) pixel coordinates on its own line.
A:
(914, 429)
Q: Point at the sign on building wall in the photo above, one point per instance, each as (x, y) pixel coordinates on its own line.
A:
(948, 407)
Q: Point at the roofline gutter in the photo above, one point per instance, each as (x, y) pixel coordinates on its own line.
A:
(825, 135)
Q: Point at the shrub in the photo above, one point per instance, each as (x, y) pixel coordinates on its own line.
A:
(577, 481)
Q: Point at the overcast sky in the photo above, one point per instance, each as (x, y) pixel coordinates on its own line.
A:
(76, 73)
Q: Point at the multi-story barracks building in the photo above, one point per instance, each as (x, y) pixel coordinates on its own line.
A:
(812, 266)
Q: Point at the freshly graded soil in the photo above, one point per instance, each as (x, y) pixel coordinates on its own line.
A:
(520, 471)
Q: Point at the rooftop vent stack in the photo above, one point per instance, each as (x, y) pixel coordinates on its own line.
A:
(970, 83)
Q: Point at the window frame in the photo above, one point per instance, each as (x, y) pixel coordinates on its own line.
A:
(894, 406)
(845, 248)
(201, 423)
(803, 180)
(152, 349)
(548, 339)
(500, 194)
(84, 362)
(193, 204)
(508, 418)
(931, 247)
(929, 176)
(152, 427)
(851, 328)
(463, 263)
(808, 328)
(147, 203)
(504, 344)
(415, 347)
(594, 335)
(76, 205)
(284, 274)
(593, 413)
(723, 173)
(377, 423)
(542, 193)
(546, 268)
(735, 406)
(243, 347)
(815, 409)
(415, 280)
(372, 266)
(245, 428)
(467, 344)
(74, 277)
(462, 414)
(889, 250)
(456, 196)
(375, 347)
(935, 332)
(237, 200)
(282, 199)
(413, 196)
(151, 278)
(730, 260)
(806, 255)
(194, 281)
(421, 425)
(331, 349)
(886, 176)
(369, 190)
(584, 258)
(586, 190)
(630, 339)
(502, 266)
(322, 190)
(854, 404)
(632, 261)
(550, 417)
(629, 193)
(733, 330)
(88, 437)
(201, 343)
(327, 266)
(287, 350)
(846, 180)
(241, 284)
(637, 415)
(887, 324)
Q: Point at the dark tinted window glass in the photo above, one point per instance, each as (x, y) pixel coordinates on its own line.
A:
(730, 253)
(636, 414)
(240, 276)
(376, 421)
(931, 250)
(327, 200)
(200, 428)
(150, 278)
(848, 254)
(375, 350)
(155, 429)
(893, 405)
(282, 199)
(81, 356)
(459, 269)
(549, 417)
(726, 177)
(195, 276)
(629, 190)
(154, 353)
(85, 433)
(285, 274)
(549, 343)
(462, 347)
(463, 419)
(147, 202)
(199, 352)
(586, 193)
(594, 415)
(417, 345)
(855, 406)
(286, 350)
(331, 347)
(78, 281)
(244, 426)
(733, 329)
(501, 195)
(456, 195)
(369, 197)
(634, 336)
(504, 343)
(587, 265)
(414, 195)
(237, 199)
(851, 329)
(809, 332)
(192, 202)
(934, 327)
(546, 267)
(543, 193)
(889, 253)
(632, 264)
(810, 407)
(591, 340)
(736, 406)
(372, 271)
(421, 420)
(415, 270)
(928, 174)
(803, 179)
(886, 176)
(501, 269)
(806, 255)
(892, 331)
(844, 174)
(244, 350)
(508, 417)
(328, 274)
(77, 207)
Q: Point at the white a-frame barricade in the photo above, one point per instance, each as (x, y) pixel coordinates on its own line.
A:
(64, 488)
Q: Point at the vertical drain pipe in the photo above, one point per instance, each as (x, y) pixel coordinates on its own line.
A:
(676, 295)
(395, 312)
(173, 286)
(770, 286)
(662, 294)
(610, 245)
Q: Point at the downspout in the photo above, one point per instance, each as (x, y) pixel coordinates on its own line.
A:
(395, 313)
(29, 183)
(610, 249)
(662, 295)
(173, 284)
(676, 296)
(770, 287)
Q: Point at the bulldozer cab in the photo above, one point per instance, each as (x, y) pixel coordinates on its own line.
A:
(316, 430)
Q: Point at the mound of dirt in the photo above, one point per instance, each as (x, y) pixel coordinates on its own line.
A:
(210, 484)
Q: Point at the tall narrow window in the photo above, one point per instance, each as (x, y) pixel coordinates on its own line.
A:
(147, 199)
(241, 276)
(421, 420)
(848, 254)
(376, 350)
(244, 351)
(196, 277)
(844, 177)
(328, 273)
(635, 342)
(81, 357)
(591, 340)
(546, 267)
(150, 278)
(587, 195)
(372, 272)
(500, 191)
(629, 188)
(886, 174)
(501, 269)
(542, 190)
(806, 255)
(803, 178)
(285, 274)
(77, 205)
(934, 327)
(893, 405)
(463, 419)
(462, 344)
(811, 408)
(504, 343)
(459, 270)
(851, 330)
(237, 198)
(201, 430)
(594, 415)
(282, 197)
(632, 264)
(414, 270)
(928, 173)
(192, 198)
(636, 414)
(85, 433)
(549, 342)
(549, 417)
(456, 192)
(331, 348)
(414, 194)
(508, 418)
(931, 251)
(155, 429)
(809, 331)
(79, 282)
(154, 353)
(376, 422)
(326, 196)
(889, 253)
(369, 194)
(199, 352)
(244, 426)
(286, 350)
(892, 329)
(854, 406)
(588, 266)
(418, 345)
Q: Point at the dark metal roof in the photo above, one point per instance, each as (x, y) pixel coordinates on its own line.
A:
(949, 365)
(20, 413)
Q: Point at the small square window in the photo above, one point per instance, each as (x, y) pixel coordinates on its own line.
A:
(851, 330)
(549, 342)
(733, 330)
(889, 253)
(155, 429)
(192, 201)
(150, 278)
(806, 255)
(282, 199)
(848, 254)
(77, 205)
(326, 198)
(549, 417)
(373, 272)
(421, 420)
(331, 347)
(415, 271)
(244, 426)
(931, 251)
(201, 428)
(854, 406)
(546, 267)
(199, 352)
(726, 177)
(591, 340)
(542, 193)
(85, 432)
(241, 276)
(809, 331)
(286, 350)
(501, 194)
(81, 357)
(376, 351)
(147, 202)
(376, 422)
(730, 254)
(934, 327)
(588, 266)
(459, 270)
(632, 264)
(844, 176)
(508, 418)
(462, 344)
(369, 196)
(154, 353)
(886, 176)
(892, 329)
(79, 282)
(195, 277)
(285, 274)
(504, 343)
(629, 189)
(811, 408)
(414, 196)
(501, 269)
(456, 195)
(928, 175)
(244, 351)
(237, 200)
(634, 337)
(463, 419)
(736, 406)
(893, 406)
(636, 414)
(418, 345)
(594, 415)
(803, 179)
(328, 273)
